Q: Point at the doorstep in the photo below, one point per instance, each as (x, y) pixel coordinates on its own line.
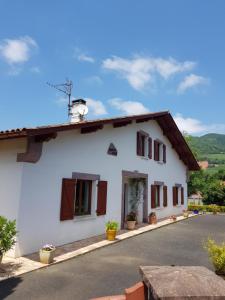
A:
(12, 267)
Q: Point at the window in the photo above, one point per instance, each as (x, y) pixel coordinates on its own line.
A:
(178, 194)
(157, 196)
(76, 196)
(144, 145)
(83, 197)
(159, 151)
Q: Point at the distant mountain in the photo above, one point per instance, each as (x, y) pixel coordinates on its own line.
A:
(211, 143)
(210, 147)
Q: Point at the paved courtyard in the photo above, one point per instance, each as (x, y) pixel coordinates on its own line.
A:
(109, 270)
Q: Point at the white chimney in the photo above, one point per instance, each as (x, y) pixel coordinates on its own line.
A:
(78, 110)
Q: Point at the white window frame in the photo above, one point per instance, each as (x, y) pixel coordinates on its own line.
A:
(146, 150)
(179, 186)
(94, 178)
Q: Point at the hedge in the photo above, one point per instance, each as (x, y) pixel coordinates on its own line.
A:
(208, 208)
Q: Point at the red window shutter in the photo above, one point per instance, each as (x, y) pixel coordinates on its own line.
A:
(153, 191)
(139, 150)
(156, 150)
(174, 196)
(102, 198)
(182, 195)
(164, 153)
(67, 199)
(158, 187)
(164, 195)
(150, 148)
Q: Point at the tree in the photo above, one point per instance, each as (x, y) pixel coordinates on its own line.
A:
(220, 174)
(196, 182)
(214, 193)
(210, 186)
(190, 141)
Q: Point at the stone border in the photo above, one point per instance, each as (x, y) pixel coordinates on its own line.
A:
(30, 265)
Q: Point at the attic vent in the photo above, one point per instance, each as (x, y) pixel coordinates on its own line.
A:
(78, 110)
(112, 150)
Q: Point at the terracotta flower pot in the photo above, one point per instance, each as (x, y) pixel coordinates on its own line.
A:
(111, 234)
(131, 225)
(152, 219)
(46, 257)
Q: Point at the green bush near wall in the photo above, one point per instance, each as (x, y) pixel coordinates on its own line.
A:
(208, 208)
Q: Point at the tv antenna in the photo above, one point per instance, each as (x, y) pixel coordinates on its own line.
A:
(65, 88)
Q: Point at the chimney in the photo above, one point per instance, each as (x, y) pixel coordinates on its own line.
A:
(78, 110)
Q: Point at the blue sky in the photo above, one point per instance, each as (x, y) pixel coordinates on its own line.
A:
(124, 57)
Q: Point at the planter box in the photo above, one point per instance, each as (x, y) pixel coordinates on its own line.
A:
(46, 257)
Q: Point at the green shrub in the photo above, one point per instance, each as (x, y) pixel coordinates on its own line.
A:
(214, 208)
(131, 216)
(111, 225)
(7, 234)
(216, 254)
(208, 208)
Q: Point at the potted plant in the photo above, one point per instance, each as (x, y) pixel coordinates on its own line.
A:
(137, 186)
(195, 211)
(185, 213)
(7, 235)
(46, 254)
(173, 218)
(131, 220)
(217, 255)
(111, 230)
(152, 218)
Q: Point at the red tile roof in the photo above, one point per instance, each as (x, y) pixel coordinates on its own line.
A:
(164, 119)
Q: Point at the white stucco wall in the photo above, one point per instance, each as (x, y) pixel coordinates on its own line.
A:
(10, 179)
(71, 151)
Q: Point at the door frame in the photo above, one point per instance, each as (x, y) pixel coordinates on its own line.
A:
(134, 174)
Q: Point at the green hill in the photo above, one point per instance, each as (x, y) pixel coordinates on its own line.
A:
(211, 143)
(210, 147)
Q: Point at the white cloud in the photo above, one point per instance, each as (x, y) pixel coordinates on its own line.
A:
(192, 126)
(96, 107)
(195, 126)
(17, 51)
(35, 70)
(191, 81)
(140, 71)
(61, 101)
(14, 70)
(93, 80)
(87, 58)
(128, 107)
(81, 55)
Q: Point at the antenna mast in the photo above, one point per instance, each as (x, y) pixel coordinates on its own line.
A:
(65, 88)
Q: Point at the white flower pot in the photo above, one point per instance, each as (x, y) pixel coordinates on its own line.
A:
(46, 257)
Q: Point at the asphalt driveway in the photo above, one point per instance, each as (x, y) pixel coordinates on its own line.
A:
(109, 270)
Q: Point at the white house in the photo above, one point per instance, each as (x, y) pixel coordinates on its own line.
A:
(62, 183)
